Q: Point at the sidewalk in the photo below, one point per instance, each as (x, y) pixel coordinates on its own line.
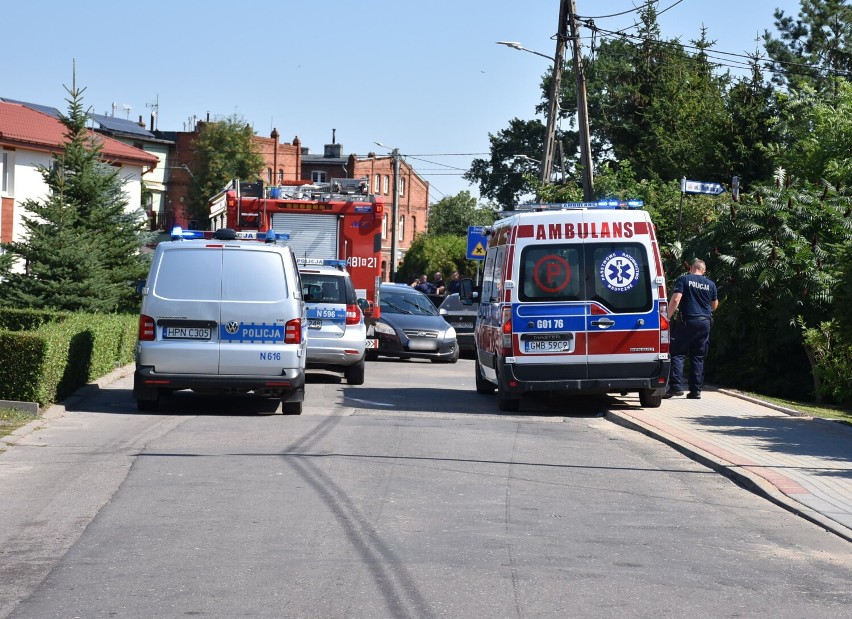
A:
(803, 464)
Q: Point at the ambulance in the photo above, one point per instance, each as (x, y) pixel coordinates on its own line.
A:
(572, 299)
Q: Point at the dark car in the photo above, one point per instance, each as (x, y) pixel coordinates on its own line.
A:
(462, 318)
(410, 327)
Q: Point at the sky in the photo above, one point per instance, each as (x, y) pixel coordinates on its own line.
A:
(425, 77)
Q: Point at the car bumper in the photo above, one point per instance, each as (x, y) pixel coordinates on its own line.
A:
(147, 383)
(390, 346)
(510, 381)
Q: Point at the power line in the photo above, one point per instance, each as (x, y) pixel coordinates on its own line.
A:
(633, 10)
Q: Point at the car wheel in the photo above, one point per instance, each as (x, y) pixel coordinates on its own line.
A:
(355, 373)
(291, 408)
(148, 405)
(482, 385)
(650, 398)
(371, 355)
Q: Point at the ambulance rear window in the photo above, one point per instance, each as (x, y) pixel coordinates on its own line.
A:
(616, 275)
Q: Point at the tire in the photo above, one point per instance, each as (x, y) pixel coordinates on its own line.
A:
(148, 405)
(355, 373)
(507, 404)
(291, 408)
(482, 385)
(650, 398)
(371, 355)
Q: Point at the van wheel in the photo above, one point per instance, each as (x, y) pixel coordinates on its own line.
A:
(148, 405)
(291, 408)
(355, 373)
(650, 398)
(482, 385)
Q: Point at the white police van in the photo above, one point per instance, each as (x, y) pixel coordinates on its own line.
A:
(573, 299)
(221, 316)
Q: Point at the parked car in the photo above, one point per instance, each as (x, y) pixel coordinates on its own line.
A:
(337, 336)
(410, 327)
(462, 318)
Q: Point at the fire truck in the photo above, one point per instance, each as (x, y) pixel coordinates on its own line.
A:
(339, 220)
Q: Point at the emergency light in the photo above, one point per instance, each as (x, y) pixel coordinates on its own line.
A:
(179, 234)
(328, 262)
(603, 204)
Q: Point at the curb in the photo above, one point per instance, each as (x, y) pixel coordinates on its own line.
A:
(745, 479)
(55, 411)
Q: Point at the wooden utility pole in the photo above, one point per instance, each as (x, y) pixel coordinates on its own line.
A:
(582, 108)
(555, 88)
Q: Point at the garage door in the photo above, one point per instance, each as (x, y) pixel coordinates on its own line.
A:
(311, 236)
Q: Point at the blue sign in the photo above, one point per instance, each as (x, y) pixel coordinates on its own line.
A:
(476, 243)
(699, 187)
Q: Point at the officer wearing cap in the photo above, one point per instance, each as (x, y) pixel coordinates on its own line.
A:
(696, 297)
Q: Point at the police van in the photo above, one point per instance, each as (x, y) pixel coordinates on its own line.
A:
(573, 299)
(221, 316)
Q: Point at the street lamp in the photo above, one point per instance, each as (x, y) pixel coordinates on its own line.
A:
(394, 207)
(518, 46)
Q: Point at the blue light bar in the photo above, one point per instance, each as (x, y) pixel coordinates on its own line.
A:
(328, 262)
(179, 234)
(605, 203)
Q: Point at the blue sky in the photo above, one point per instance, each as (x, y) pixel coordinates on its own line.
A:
(426, 77)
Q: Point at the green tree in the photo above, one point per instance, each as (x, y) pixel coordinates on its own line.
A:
(81, 250)
(429, 253)
(454, 214)
(224, 151)
(814, 48)
(774, 258)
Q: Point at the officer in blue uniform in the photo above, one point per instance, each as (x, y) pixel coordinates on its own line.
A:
(696, 297)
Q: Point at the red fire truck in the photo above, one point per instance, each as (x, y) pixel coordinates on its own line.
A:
(338, 220)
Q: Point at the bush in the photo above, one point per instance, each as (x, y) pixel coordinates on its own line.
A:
(831, 361)
(57, 352)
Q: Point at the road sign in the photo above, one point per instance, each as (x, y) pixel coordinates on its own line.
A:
(476, 243)
(700, 187)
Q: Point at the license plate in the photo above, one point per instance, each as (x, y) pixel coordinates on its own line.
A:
(545, 346)
(422, 345)
(314, 323)
(464, 325)
(186, 333)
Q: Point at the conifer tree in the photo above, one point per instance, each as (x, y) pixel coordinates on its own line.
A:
(80, 250)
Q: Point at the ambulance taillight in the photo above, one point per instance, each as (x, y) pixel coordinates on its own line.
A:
(665, 334)
(506, 331)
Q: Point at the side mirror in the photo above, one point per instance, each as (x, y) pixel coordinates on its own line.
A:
(140, 285)
(364, 305)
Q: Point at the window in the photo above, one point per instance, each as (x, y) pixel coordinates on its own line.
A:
(385, 227)
(268, 176)
(414, 226)
(280, 175)
(377, 187)
(387, 185)
(401, 228)
(402, 186)
(6, 165)
(318, 176)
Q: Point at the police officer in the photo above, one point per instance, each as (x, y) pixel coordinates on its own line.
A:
(695, 295)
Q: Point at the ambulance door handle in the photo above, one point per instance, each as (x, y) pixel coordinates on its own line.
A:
(603, 323)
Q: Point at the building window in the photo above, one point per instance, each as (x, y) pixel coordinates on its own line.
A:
(402, 185)
(280, 175)
(377, 187)
(385, 227)
(6, 164)
(401, 228)
(387, 185)
(317, 176)
(413, 226)
(268, 176)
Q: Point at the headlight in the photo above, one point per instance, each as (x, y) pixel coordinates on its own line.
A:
(383, 328)
(450, 333)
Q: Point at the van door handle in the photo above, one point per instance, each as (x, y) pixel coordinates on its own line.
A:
(603, 323)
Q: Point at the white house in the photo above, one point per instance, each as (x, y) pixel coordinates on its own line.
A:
(29, 139)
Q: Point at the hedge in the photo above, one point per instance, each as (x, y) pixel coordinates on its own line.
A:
(45, 356)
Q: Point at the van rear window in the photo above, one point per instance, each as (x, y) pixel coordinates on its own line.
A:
(613, 274)
(253, 276)
(189, 274)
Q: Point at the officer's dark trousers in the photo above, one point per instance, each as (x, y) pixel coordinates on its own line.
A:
(689, 338)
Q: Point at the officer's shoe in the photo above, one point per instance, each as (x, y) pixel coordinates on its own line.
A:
(693, 395)
(673, 393)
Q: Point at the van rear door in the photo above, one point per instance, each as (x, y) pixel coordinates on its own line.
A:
(255, 296)
(623, 319)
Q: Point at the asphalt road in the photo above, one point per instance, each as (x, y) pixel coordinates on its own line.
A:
(410, 496)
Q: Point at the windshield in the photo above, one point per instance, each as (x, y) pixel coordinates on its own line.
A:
(405, 302)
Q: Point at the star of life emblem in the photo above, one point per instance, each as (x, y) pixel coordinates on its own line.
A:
(619, 271)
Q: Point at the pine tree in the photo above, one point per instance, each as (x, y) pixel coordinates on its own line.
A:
(81, 247)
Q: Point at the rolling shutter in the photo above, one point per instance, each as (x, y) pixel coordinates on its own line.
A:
(311, 236)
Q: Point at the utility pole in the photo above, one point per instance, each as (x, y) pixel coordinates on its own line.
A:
(555, 88)
(394, 212)
(582, 108)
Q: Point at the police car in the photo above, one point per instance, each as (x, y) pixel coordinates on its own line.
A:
(337, 336)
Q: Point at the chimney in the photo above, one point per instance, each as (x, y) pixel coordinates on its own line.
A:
(333, 150)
